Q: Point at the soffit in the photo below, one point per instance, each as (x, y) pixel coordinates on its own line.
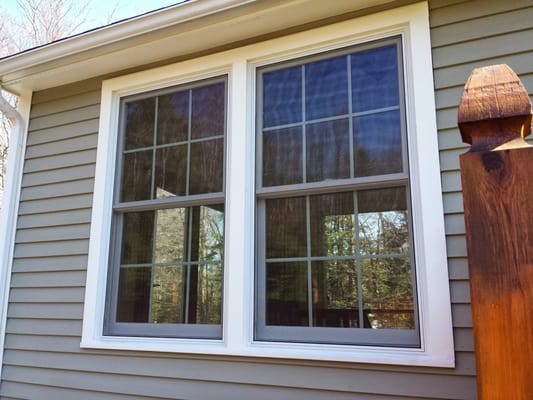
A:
(186, 29)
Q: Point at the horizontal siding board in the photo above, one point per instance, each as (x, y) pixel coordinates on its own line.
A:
(458, 268)
(460, 292)
(450, 96)
(450, 139)
(62, 132)
(463, 31)
(498, 46)
(256, 373)
(436, 4)
(63, 118)
(61, 263)
(453, 202)
(462, 315)
(58, 175)
(44, 327)
(49, 249)
(45, 311)
(65, 146)
(472, 10)
(454, 388)
(47, 295)
(44, 392)
(67, 160)
(455, 224)
(66, 104)
(63, 189)
(463, 339)
(53, 233)
(78, 202)
(55, 344)
(456, 246)
(48, 279)
(68, 92)
(54, 219)
(449, 159)
(465, 361)
(450, 75)
(447, 118)
(451, 181)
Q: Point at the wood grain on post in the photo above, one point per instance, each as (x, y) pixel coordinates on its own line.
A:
(497, 179)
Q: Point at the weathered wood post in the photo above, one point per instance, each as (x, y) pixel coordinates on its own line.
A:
(497, 178)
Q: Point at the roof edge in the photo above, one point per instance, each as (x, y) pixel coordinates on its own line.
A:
(115, 32)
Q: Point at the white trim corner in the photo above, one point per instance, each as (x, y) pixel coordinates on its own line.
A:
(10, 204)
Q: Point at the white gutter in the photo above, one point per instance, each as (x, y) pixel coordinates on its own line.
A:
(10, 203)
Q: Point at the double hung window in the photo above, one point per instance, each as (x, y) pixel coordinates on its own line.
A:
(167, 260)
(280, 199)
(333, 226)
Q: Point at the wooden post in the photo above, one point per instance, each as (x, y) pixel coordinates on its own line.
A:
(497, 178)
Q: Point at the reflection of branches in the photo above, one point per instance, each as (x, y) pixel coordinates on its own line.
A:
(386, 282)
(172, 283)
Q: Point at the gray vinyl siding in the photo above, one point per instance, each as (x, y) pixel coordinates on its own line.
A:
(466, 35)
(43, 359)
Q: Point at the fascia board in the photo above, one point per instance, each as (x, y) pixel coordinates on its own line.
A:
(186, 28)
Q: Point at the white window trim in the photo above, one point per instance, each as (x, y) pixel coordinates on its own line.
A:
(412, 22)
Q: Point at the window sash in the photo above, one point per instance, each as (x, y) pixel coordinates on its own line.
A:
(186, 201)
(354, 183)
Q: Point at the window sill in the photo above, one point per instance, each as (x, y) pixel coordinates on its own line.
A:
(275, 350)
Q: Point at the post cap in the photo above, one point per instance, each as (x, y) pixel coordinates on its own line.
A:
(494, 108)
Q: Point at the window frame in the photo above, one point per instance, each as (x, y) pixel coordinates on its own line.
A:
(186, 201)
(240, 64)
(352, 184)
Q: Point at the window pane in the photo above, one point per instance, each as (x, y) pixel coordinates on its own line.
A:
(328, 150)
(282, 157)
(137, 176)
(134, 294)
(171, 171)
(206, 294)
(208, 110)
(335, 301)
(168, 303)
(170, 239)
(326, 88)
(286, 228)
(171, 260)
(282, 97)
(211, 233)
(173, 117)
(137, 239)
(375, 79)
(378, 144)
(139, 123)
(207, 166)
(323, 233)
(332, 224)
(383, 221)
(286, 300)
(388, 292)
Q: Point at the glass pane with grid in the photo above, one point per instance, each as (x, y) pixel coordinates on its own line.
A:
(335, 118)
(334, 237)
(167, 272)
